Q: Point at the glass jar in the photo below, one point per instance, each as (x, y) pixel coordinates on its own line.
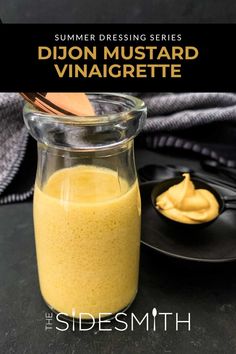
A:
(87, 206)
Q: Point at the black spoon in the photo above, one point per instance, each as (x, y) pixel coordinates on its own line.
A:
(159, 173)
(215, 166)
(223, 201)
(156, 172)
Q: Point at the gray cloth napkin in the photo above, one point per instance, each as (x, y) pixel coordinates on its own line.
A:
(13, 139)
(167, 113)
(171, 112)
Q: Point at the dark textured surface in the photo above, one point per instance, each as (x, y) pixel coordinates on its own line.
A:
(207, 291)
(133, 11)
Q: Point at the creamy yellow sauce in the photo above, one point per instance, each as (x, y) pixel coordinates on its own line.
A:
(183, 203)
(87, 231)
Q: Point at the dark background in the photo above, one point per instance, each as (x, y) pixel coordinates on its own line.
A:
(132, 11)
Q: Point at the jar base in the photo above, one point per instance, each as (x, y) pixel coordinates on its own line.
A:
(89, 321)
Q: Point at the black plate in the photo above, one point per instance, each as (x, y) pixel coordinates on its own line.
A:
(214, 243)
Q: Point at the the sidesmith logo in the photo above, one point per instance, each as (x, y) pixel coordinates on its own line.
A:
(153, 321)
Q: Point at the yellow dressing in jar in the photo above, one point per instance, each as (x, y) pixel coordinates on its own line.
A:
(87, 231)
(183, 203)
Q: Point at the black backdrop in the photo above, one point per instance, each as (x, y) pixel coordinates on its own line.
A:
(111, 11)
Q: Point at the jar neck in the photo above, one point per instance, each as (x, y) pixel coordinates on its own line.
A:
(119, 159)
(86, 154)
(118, 119)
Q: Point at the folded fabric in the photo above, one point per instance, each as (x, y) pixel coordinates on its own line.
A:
(177, 120)
(171, 112)
(13, 140)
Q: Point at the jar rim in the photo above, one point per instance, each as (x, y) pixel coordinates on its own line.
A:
(136, 105)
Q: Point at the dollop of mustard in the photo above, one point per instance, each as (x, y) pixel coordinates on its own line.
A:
(183, 203)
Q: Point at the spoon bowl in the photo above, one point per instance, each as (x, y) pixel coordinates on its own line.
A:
(61, 103)
(156, 172)
(39, 100)
(163, 186)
